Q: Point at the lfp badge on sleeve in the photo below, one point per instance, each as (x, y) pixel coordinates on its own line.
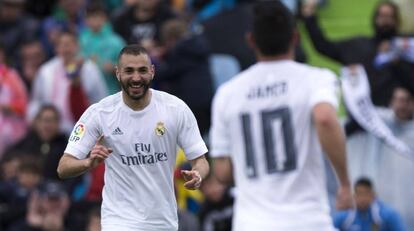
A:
(77, 133)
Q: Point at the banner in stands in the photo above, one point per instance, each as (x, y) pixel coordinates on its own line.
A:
(357, 98)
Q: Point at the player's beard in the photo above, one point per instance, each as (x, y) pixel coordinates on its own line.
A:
(127, 87)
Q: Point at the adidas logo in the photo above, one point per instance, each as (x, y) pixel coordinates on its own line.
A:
(117, 131)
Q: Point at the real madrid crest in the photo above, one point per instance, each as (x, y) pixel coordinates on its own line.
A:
(160, 129)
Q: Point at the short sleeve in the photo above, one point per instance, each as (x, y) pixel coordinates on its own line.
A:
(325, 89)
(84, 135)
(219, 132)
(189, 137)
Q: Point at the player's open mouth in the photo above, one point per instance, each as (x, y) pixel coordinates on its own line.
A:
(136, 86)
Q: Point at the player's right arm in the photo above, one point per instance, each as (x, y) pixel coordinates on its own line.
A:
(70, 166)
(332, 140)
(85, 147)
(324, 102)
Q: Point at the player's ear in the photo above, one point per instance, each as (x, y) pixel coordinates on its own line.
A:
(117, 72)
(250, 40)
(152, 71)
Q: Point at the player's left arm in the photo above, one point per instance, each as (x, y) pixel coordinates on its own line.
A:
(223, 169)
(199, 171)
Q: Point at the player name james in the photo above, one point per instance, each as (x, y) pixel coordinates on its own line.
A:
(272, 90)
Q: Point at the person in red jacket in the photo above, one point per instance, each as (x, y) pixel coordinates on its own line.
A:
(13, 103)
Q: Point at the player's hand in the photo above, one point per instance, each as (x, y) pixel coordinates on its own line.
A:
(192, 179)
(344, 199)
(99, 153)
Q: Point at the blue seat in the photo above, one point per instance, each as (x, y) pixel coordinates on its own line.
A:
(223, 67)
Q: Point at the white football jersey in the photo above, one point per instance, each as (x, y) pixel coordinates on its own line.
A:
(262, 119)
(139, 191)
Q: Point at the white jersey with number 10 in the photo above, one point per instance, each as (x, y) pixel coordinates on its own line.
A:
(262, 119)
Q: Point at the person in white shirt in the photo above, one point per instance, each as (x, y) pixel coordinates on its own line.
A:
(270, 125)
(58, 79)
(137, 132)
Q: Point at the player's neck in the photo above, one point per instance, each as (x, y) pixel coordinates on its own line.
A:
(137, 105)
(268, 58)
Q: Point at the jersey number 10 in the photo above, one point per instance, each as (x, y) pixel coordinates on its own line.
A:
(272, 164)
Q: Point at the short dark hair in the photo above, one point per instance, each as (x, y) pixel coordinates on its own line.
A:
(173, 29)
(365, 182)
(29, 41)
(46, 107)
(132, 49)
(273, 26)
(95, 8)
(71, 34)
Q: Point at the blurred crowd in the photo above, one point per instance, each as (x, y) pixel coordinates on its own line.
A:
(57, 57)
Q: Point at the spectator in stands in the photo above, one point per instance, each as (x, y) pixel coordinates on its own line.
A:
(99, 42)
(385, 22)
(141, 23)
(32, 56)
(402, 104)
(45, 140)
(13, 103)
(68, 82)
(9, 165)
(184, 69)
(47, 209)
(67, 16)
(46, 143)
(370, 213)
(216, 212)
(14, 193)
(15, 26)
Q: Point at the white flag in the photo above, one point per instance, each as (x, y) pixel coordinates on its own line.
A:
(357, 98)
